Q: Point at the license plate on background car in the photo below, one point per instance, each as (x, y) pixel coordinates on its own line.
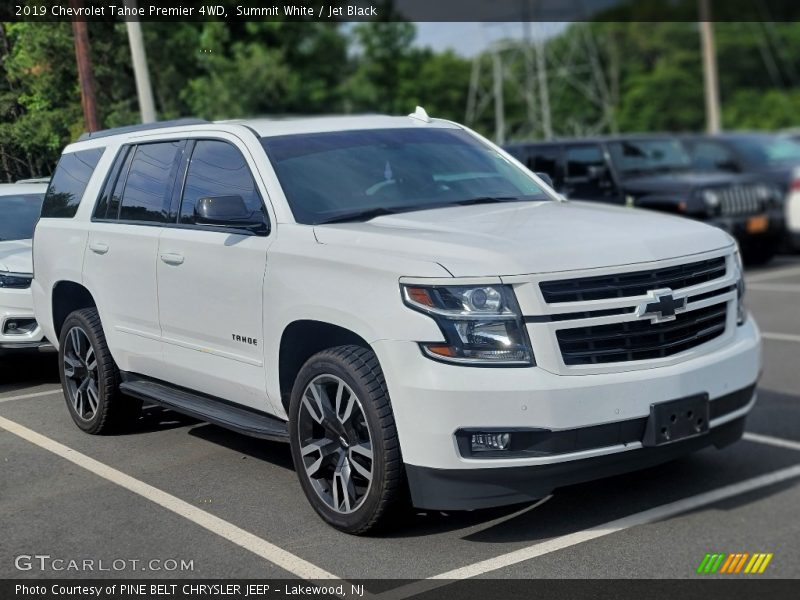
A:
(676, 420)
(758, 224)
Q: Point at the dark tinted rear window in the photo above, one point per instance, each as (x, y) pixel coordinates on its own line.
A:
(69, 182)
(148, 188)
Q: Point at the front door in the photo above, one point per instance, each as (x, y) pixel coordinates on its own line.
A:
(210, 283)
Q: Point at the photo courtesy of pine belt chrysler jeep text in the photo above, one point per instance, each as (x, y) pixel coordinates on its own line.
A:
(422, 318)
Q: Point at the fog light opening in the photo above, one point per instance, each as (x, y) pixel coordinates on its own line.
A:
(484, 442)
(19, 326)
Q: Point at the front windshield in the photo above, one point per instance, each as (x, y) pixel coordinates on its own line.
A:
(767, 151)
(634, 157)
(18, 216)
(341, 175)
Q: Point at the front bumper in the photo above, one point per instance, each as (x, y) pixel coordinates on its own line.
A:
(467, 489)
(738, 227)
(433, 402)
(16, 305)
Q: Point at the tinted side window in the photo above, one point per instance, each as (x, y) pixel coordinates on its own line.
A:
(581, 159)
(69, 183)
(148, 188)
(712, 156)
(218, 169)
(108, 205)
(545, 160)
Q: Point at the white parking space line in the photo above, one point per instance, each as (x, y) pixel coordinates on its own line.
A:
(772, 274)
(774, 287)
(258, 546)
(652, 515)
(33, 395)
(780, 337)
(772, 441)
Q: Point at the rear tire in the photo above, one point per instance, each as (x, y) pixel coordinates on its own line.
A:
(344, 440)
(90, 378)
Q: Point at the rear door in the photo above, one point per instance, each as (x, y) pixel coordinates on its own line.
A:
(211, 278)
(120, 259)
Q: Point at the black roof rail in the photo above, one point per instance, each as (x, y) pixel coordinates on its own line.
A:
(141, 127)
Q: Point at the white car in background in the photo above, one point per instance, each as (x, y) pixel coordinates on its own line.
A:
(793, 212)
(20, 205)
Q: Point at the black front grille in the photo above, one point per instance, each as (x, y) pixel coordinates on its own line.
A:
(641, 340)
(637, 283)
(740, 200)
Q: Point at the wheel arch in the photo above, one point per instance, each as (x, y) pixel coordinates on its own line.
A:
(67, 297)
(301, 340)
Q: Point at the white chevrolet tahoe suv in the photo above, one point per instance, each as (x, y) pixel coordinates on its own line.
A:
(400, 300)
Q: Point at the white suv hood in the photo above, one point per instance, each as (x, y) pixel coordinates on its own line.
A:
(528, 237)
(16, 256)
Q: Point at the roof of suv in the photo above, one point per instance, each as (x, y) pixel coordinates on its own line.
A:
(268, 127)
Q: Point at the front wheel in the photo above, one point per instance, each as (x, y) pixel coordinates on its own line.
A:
(344, 440)
(759, 252)
(89, 376)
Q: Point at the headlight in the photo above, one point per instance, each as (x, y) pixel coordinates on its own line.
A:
(481, 324)
(712, 200)
(15, 281)
(741, 309)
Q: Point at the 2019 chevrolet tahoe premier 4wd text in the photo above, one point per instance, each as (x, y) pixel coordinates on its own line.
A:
(398, 298)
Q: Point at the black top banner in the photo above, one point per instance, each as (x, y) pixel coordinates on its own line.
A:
(402, 10)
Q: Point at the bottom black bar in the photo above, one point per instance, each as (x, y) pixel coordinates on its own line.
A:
(732, 588)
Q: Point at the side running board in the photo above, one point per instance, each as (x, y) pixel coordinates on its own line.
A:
(206, 408)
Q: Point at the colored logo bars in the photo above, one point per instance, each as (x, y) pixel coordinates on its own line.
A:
(740, 562)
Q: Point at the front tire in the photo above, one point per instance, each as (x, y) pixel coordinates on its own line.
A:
(90, 378)
(344, 440)
(759, 252)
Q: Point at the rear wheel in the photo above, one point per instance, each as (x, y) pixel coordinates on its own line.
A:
(344, 440)
(90, 378)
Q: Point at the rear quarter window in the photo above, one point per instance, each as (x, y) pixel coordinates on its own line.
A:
(73, 172)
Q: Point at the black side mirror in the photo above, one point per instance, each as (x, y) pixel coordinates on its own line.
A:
(545, 177)
(228, 211)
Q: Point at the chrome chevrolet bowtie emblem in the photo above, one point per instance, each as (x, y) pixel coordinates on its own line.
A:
(662, 306)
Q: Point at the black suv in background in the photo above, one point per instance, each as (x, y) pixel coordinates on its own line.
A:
(775, 157)
(656, 172)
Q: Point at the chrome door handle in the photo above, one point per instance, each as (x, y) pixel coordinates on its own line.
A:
(98, 247)
(172, 258)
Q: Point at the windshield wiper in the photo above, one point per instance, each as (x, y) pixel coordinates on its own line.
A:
(483, 200)
(380, 211)
(367, 214)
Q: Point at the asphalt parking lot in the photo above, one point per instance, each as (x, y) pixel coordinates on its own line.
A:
(174, 489)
